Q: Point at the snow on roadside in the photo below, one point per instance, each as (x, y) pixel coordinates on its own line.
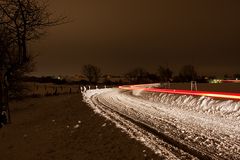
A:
(223, 108)
(200, 121)
(129, 128)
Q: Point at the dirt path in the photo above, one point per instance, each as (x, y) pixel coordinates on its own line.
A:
(65, 128)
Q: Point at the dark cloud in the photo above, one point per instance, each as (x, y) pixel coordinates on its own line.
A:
(121, 35)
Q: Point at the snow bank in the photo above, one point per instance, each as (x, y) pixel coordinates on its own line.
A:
(223, 108)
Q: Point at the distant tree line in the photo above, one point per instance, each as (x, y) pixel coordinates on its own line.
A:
(93, 75)
(187, 73)
(51, 79)
(163, 74)
(44, 79)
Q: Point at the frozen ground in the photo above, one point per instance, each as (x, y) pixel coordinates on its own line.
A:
(65, 128)
(173, 126)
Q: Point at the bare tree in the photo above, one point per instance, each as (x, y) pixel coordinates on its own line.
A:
(20, 21)
(165, 74)
(137, 75)
(188, 73)
(236, 76)
(92, 73)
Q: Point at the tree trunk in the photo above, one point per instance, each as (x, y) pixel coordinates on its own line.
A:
(4, 103)
(2, 95)
(24, 50)
(1, 90)
(6, 95)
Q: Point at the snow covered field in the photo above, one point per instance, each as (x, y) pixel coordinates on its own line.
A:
(174, 126)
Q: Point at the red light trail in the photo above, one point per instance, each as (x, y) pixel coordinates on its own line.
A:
(230, 81)
(225, 95)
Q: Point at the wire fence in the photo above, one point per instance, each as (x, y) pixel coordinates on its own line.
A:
(39, 90)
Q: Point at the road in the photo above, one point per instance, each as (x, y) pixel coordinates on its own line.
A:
(171, 130)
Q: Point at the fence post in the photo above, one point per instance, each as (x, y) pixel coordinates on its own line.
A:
(55, 93)
(193, 85)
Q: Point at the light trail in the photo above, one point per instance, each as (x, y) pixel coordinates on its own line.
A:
(224, 95)
(230, 81)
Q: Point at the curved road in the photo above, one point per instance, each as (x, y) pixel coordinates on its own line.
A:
(168, 130)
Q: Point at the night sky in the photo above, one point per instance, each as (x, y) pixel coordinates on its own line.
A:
(121, 35)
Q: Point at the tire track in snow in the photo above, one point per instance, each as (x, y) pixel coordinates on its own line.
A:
(189, 150)
(200, 154)
(108, 101)
(131, 129)
(212, 143)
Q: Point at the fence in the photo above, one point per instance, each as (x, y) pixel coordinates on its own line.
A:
(38, 90)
